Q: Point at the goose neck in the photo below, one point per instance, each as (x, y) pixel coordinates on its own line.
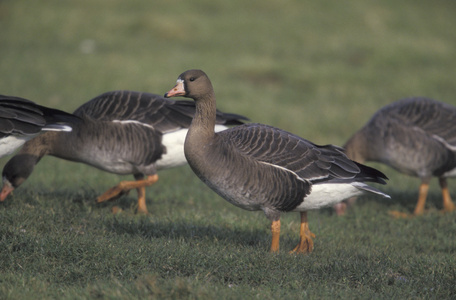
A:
(205, 116)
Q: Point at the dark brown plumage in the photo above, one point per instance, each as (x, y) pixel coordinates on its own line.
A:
(121, 132)
(259, 167)
(415, 136)
(22, 119)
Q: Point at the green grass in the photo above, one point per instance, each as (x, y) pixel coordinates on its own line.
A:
(318, 69)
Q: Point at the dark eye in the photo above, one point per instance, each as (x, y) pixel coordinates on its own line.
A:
(192, 78)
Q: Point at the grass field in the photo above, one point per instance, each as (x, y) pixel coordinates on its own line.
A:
(319, 69)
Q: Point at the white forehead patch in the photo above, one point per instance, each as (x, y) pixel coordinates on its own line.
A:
(180, 81)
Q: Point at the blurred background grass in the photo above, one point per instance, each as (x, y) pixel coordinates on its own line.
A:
(319, 69)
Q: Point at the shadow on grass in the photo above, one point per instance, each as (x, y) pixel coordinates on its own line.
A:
(82, 197)
(408, 199)
(82, 202)
(402, 200)
(190, 231)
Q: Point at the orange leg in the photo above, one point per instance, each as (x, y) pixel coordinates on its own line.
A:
(142, 208)
(341, 207)
(125, 186)
(448, 205)
(419, 208)
(305, 244)
(275, 230)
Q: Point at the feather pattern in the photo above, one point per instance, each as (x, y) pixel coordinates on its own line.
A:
(163, 114)
(120, 132)
(416, 136)
(256, 166)
(22, 119)
(22, 116)
(278, 168)
(260, 167)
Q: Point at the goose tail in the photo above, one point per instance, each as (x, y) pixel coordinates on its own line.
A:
(366, 188)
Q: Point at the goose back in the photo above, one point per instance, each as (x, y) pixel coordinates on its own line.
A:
(132, 126)
(259, 167)
(122, 132)
(256, 166)
(21, 120)
(416, 136)
(22, 116)
(163, 114)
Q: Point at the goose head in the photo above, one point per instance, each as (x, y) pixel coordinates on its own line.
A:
(193, 84)
(15, 172)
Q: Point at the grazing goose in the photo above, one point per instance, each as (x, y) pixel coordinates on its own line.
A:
(121, 132)
(415, 136)
(22, 120)
(259, 167)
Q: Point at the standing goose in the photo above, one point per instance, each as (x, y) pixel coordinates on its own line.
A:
(415, 136)
(22, 120)
(121, 132)
(259, 167)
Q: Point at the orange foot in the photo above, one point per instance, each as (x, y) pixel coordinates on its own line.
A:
(399, 215)
(340, 208)
(142, 210)
(305, 244)
(113, 193)
(116, 210)
(448, 207)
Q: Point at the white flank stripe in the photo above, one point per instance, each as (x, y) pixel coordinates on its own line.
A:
(288, 170)
(64, 128)
(133, 122)
(449, 146)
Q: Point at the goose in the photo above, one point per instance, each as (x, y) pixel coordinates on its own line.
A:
(121, 132)
(22, 120)
(259, 167)
(415, 136)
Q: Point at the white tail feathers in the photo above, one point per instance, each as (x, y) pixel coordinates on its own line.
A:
(367, 188)
(57, 127)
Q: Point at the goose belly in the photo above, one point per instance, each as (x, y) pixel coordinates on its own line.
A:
(324, 195)
(174, 144)
(234, 196)
(107, 162)
(10, 143)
